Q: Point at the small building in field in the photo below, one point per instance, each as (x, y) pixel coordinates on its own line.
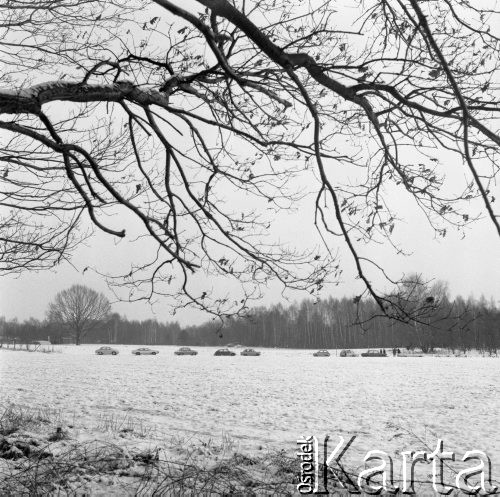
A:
(40, 346)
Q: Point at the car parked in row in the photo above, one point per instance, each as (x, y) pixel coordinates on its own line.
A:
(250, 352)
(145, 351)
(322, 353)
(348, 353)
(374, 353)
(106, 351)
(185, 351)
(224, 352)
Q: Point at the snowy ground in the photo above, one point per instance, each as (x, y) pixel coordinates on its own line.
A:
(390, 404)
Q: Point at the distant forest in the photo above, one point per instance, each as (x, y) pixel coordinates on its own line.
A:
(457, 324)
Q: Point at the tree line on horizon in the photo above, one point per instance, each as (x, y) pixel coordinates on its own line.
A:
(365, 117)
(456, 324)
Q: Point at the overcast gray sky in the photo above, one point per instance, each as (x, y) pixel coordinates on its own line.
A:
(470, 264)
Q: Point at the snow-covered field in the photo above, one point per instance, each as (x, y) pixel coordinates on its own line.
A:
(268, 401)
